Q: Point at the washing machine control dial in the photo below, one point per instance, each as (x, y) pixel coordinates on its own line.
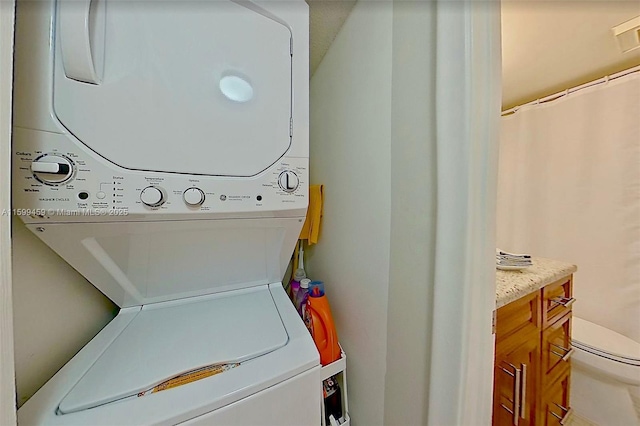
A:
(152, 196)
(193, 197)
(288, 181)
(52, 169)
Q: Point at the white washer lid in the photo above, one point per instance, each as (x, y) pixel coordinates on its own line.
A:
(605, 341)
(168, 339)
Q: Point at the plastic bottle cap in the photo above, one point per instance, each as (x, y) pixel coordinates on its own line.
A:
(299, 274)
(304, 283)
(316, 289)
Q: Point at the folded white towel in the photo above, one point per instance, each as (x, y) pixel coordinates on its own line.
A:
(513, 259)
(504, 260)
(513, 263)
(512, 255)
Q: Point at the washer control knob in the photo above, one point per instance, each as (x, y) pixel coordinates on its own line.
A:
(52, 169)
(288, 181)
(152, 196)
(193, 197)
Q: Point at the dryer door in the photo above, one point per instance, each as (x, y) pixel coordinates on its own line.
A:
(197, 87)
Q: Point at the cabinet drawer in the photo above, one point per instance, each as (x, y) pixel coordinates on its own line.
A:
(555, 408)
(522, 315)
(556, 349)
(505, 392)
(557, 299)
(516, 370)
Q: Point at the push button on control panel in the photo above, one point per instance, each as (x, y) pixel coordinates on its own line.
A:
(152, 196)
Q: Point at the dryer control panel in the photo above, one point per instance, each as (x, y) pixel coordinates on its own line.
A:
(55, 177)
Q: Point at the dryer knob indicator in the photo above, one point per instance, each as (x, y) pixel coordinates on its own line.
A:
(288, 181)
(52, 169)
(193, 197)
(152, 196)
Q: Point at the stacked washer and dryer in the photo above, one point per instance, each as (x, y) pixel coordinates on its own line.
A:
(161, 149)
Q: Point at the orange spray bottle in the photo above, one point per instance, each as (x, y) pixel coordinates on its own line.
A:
(319, 321)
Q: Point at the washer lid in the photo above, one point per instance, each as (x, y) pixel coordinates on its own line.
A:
(194, 87)
(169, 339)
(604, 342)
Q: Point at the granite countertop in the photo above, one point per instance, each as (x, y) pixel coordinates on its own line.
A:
(512, 285)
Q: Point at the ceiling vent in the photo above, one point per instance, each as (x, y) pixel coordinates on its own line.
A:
(628, 34)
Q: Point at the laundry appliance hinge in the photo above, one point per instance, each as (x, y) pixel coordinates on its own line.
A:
(291, 46)
(290, 127)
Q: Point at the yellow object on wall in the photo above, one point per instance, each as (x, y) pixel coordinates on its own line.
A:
(311, 228)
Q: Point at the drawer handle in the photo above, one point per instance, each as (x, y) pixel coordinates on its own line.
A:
(507, 409)
(564, 301)
(509, 372)
(516, 393)
(523, 393)
(567, 352)
(567, 414)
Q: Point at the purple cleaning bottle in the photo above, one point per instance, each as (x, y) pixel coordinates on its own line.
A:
(295, 283)
(303, 295)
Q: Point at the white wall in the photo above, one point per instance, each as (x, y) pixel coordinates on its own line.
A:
(7, 373)
(350, 152)
(372, 147)
(413, 212)
(56, 311)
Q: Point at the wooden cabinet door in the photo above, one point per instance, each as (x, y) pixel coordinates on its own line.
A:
(555, 408)
(516, 372)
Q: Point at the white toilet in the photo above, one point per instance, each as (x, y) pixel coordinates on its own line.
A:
(605, 375)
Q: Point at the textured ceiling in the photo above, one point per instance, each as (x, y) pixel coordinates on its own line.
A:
(325, 20)
(549, 46)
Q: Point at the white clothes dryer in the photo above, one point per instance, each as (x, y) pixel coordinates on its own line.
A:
(161, 149)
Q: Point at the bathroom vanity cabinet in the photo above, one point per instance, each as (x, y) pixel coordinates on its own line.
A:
(533, 354)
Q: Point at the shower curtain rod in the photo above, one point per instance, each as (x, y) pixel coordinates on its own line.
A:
(566, 92)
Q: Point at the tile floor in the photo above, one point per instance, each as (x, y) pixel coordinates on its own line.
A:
(636, 404)
(580, 421)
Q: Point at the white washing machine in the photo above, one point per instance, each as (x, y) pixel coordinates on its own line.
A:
(161, 148)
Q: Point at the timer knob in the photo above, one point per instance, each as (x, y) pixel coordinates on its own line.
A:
(193, 197)
(288, 181)
(52, 169)
(152, 196)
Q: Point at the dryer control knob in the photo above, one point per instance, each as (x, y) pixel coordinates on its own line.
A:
(152, 196)
(288, 181)
(193, 197)
(52, 169)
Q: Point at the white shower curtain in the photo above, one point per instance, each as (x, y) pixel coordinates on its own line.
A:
(466, 123)
(569, 188)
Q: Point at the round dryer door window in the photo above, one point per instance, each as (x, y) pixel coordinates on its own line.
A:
(175, 86)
